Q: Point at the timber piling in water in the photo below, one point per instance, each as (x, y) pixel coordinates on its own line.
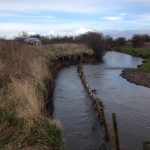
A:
(100, 108)
(113, 133)
(117, 145)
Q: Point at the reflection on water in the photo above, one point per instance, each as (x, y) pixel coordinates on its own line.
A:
(130, 102)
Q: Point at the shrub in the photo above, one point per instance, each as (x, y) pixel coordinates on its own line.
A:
(121, 41)
(109, 42)
(96, 41)
(137, 40)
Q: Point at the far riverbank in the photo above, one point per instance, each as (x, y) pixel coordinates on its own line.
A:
(140, 75)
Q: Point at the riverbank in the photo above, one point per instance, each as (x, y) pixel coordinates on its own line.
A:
(141, 74)
(27, 76)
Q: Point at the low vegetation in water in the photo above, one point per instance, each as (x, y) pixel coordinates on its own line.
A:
(23, 72)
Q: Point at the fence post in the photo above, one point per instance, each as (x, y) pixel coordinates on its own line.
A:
(105, 125)
(146, 145)
(115, 131)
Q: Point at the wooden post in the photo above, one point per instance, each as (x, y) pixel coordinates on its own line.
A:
(146, 145)
(100, 109)
(105, 125)
(115, 131)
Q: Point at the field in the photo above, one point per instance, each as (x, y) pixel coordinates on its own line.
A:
(24, 72)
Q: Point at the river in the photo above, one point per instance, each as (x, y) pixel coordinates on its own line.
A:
(131, 103)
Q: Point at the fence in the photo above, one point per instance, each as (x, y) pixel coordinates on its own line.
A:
(112, 138)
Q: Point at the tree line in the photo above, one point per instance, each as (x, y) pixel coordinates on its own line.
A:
(137, 40)
(95, 40)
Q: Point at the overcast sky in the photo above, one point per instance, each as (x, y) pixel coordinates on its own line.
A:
(115, 17)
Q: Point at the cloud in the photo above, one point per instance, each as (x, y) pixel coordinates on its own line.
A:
(124, 33)
(142, 1)
(82, 30)
(45, 29)
(84, 6)
(144, 18)
(113, 18)
(72, 16)
(123, 14)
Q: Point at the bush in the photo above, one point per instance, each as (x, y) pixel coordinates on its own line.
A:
(137, 40)
(96, 41)
(146, 37)
(121, 41)
(109, 42)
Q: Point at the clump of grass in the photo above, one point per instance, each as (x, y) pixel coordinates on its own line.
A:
(8, 117)
(45, 133)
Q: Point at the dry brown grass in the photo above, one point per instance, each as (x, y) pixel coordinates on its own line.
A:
(23, 70)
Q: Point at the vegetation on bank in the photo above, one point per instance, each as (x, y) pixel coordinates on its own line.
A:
(139, 52)
(142, 52)
(24, 70)
(145, 67)
(141, 74)
(94, 40)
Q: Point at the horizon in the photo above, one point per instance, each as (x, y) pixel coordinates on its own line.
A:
(63, 17)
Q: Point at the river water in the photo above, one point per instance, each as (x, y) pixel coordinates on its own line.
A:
(79, 119)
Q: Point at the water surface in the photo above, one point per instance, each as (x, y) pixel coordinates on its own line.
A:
(130, 102)
(81, 126)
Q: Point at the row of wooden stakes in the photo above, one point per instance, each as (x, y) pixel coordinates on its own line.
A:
(113, 139)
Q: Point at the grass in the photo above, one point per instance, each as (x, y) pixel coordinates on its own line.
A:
(145, 67)
(139, 52)
(23, 72)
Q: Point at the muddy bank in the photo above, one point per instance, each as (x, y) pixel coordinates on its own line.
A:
(137, 77)
(50, 84)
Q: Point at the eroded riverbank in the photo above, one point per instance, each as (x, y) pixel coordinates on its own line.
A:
(27, 75)
(137, 77)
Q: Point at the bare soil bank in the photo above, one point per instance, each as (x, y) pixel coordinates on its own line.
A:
(137, 77)
(50, 84)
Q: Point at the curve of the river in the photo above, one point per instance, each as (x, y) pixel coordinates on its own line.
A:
(79, 119)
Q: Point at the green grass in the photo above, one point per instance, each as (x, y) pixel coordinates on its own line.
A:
(139, 52)
(8, 117)
(45, 133)
(145, 67)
